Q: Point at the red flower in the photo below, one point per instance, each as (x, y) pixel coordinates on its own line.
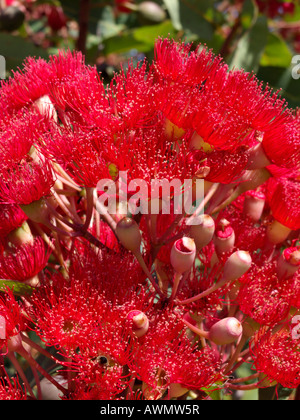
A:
(175, 62)
(264, 297)
(11, 390)
(66, 313)
(11, 317)
(23, 184)
(167, 358)
(12, 217)
(276, 354)
(17, 136)
(24, 262)
(284, 199)
(282, 142)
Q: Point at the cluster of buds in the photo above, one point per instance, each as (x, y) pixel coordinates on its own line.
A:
(139, 300)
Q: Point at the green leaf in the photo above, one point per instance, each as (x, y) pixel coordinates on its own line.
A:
(173, 7)
(193, 22)
(249, 14)
(277, 53)
(280, 78)
(124, 43)
(141, 39)
(107, 25)
(18, 288)
(251, 47)
(148, 34)
(15, 49)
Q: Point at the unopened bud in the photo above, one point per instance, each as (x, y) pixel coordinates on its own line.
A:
(237, 265)
(122, 211)
(254, 205)
(20, 236)
(197, 143)
(224, 238)
(226, 331)
(173, 132)
(37, 211)
(2, 328)
(151, 11)
(129, 234)
(177, 390)
(288, 263)
(250, 327)
(202, 230)
(183, 255)
(258, 159)
(140, 323)
(45, 106)
(49, 391)
(14, 343)
(277, 233)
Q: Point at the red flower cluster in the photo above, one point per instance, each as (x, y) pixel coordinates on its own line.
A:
(148, 304)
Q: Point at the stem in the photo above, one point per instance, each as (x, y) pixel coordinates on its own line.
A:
(197, 330)
(66, 207)
(91, 239)
(73, 190)
(250, 387)
(20, 371)
(102, 210)
(203, 294)
(225, 50)
(37, 347)
(64, 177)
(84, 13)
(37, 382)
(176, 282)
(248, 378)
(207, 198)
(90, 207)
(143, 265)
(32, 362)
(236, 354)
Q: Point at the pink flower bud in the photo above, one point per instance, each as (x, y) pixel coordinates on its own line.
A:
(129, 234)
(2, 328)
(226, 331)
(139, 321)
(254, 205)
(152, 12)
(224, 238)
(37, 211)
(49, 391)
(183, 255)
(173, 132)
(14, 343)
(177, 390)
(45, 106)
(258, 159)
(288, 263)
(202, 230)
(197, 143)
(237, 265)
(20, 236)
(277, 233)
